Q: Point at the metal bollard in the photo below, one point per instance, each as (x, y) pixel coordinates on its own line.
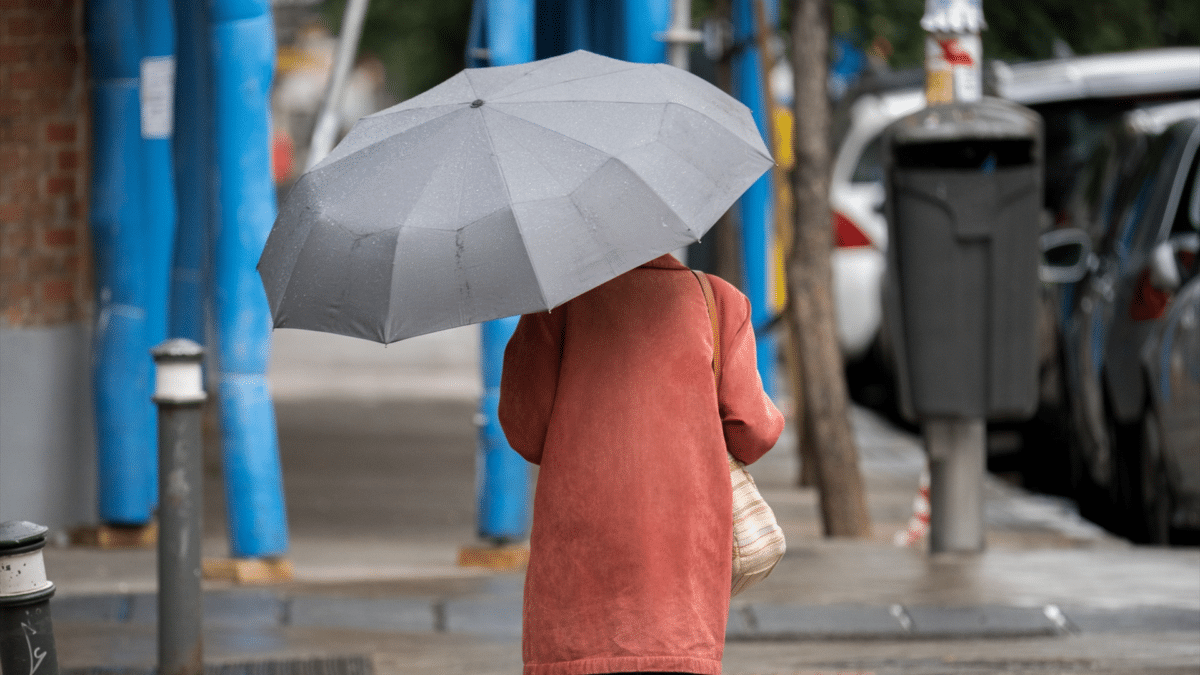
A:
(26, 629)
(957, 461)
(179, 394)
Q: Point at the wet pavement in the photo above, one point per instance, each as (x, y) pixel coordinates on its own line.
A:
(378, 452)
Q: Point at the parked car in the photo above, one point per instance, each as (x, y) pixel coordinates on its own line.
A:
(1127, 326)
(860, 230)
(1078, 98)
(1170, 427)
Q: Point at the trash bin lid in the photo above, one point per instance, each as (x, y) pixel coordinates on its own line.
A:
(20, 533)
(987, 118)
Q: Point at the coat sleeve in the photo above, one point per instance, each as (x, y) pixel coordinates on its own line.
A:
(750, 420)
(530, 380)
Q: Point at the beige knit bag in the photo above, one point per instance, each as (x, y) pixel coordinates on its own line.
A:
(758, 543)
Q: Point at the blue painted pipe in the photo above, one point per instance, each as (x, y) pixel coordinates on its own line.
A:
(643, 19)
(755, 205)
(125, 433)
(509, 31)
(156, 26)
(192, 162)
(502, 475)
(242, 47)
(502, 485)
(577, 17)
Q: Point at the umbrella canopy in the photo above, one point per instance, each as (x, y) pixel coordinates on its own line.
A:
(505, 191)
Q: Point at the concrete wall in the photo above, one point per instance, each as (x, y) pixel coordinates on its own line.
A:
(47, 442)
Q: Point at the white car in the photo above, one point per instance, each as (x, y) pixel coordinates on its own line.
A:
(1076, 96)
(856, 197)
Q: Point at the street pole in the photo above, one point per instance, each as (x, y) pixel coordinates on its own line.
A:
(680, 35)
(180, 396)
(956, 450)
(956, 447)
(679, 38)
(953, 50)
(26, 629)
(325, 132)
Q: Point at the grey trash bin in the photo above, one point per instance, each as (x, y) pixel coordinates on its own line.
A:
(964, 184)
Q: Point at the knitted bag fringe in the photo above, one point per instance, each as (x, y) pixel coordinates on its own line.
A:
(758, 543)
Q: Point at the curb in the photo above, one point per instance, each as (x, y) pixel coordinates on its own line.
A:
(500, 617)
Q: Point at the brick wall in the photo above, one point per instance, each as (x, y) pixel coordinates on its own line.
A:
(45, 274)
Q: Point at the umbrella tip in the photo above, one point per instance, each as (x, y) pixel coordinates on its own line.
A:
(476, 103)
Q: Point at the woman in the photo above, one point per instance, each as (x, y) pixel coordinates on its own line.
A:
(613, 395)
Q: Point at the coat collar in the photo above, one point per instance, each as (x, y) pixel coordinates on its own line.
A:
(665, 262)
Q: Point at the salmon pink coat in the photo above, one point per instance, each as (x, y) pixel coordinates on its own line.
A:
(612, 394)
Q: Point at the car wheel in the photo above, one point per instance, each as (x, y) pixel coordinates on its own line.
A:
(1154, 486)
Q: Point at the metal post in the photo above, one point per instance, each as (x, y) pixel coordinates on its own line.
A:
(956, 463)
(26, 628)
(681, 35)
(179, 395)
(956, 447)
(953, 50)
(325, 132)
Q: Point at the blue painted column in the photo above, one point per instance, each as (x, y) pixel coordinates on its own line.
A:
(156, 24)
(578, 36)
(755, 206)
(643, 19)
(125, 433)
(502, 485)
(192, 161)
(242, 46)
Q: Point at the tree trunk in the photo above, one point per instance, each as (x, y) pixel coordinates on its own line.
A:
(825, 428)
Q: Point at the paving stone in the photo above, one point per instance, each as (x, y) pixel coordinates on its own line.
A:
(739, 626)
(383, 614)
(1132, 620)
(816, 621)
(338, 665)
(982, 621)
(228, 608)
(489, 617)
(243, 608)
(143, 608)
(89, 608)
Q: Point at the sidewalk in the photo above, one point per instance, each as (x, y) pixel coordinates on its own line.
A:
(378, 450)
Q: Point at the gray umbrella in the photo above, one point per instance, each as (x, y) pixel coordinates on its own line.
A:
(505, 191)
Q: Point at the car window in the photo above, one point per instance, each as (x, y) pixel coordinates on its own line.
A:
(1185, 228)
(1073, 130)
(1093, 190)
(1187, 220)
(1133, 196)
(1174, 181)
(869, 168)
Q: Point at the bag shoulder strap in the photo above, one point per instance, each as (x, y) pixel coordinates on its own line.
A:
(710, 300)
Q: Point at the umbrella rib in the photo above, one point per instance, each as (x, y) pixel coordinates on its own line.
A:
(487, 132)
(629, 168)
(668, 85)
(325, 165)
(557, 83)
(559, 133)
